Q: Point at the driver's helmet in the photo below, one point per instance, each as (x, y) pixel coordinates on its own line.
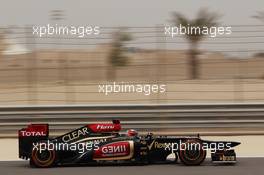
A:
(132, 132)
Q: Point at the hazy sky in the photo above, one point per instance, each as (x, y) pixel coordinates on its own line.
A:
(108, 13)
(123, 12)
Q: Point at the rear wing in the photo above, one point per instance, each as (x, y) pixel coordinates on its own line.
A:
(32, 134)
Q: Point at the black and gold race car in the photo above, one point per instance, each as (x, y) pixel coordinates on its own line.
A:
(102, 143)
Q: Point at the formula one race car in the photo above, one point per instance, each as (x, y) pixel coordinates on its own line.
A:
(102, 143)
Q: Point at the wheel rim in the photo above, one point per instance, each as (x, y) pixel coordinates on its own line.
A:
(192, 156)
(44, 158)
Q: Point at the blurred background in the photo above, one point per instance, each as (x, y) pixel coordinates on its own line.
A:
(67, 69)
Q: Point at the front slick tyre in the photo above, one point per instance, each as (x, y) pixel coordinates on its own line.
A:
(43, 159)
(192, 153)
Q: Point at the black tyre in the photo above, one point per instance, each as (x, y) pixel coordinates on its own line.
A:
(43, 159)
(192, 154)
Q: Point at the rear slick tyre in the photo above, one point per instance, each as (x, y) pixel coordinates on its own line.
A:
(43, 159)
